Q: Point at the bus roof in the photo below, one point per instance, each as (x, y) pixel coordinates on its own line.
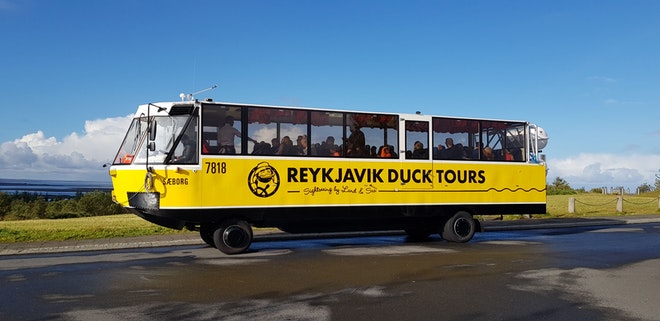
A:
(165, 108)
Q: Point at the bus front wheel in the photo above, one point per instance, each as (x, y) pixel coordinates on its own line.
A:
(233, 236)
(459, 228)
(206, 233)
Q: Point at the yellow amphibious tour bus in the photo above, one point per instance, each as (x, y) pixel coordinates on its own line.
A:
(221, 168)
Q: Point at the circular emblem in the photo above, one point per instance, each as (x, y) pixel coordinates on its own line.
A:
(263, 180)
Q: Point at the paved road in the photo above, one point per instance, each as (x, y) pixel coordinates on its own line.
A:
(269, 235)
(608, 270)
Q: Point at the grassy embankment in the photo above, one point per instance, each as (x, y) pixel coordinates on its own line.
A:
(96, 227)
(126, 225)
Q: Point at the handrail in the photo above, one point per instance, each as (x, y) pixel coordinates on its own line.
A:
(619, 200)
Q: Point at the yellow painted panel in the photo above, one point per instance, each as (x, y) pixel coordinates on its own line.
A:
(249, 182)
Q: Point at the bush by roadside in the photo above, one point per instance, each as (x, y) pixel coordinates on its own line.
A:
(99, 227)
(23, 206)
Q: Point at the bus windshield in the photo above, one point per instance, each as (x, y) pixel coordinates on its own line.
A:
(155, 138)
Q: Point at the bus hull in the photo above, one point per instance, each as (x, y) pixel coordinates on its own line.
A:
(316, 195)
(322, 219)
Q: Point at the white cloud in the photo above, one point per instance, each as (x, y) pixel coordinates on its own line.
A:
(16, 155)
(78, 156)
(605, 170)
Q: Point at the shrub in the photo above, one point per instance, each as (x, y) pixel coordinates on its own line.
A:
(560, 187)
(97, 203)
(34, 206)
(554, 190)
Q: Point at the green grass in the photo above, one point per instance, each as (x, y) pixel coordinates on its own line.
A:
(588, 204)
(127, 225)
(98, 227)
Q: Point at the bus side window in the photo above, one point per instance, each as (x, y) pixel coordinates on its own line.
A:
(371, 135)
(262, 126)
(277, 131)
(417, 139)
(506, 140)
(327, 135)
(221, 129)
(456, 139)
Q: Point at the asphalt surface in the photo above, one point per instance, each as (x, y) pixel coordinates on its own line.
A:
(187, 239)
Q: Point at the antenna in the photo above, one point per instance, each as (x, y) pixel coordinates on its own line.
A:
(191, 97)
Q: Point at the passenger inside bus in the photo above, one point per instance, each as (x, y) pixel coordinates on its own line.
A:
(189, 154)
(452, 151)
(298, 144)
(386, 151)
(226, 136)
(438, 152)
(487, 154)
(275, 146)
(419, 152)
(328, 147)
(262, 148)
(373, 152)
(286, 147)
(304, 148)
(507, 155)
(355, 143)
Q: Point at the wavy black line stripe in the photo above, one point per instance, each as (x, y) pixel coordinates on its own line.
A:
(515, 190)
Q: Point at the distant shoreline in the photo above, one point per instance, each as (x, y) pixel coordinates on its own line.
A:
(52, 187)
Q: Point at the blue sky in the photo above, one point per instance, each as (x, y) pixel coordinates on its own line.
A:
(585, 71)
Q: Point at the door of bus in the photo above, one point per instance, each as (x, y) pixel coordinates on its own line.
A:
(181, 177)
(416, 170)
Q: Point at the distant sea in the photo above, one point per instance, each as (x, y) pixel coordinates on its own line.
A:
(52, 187)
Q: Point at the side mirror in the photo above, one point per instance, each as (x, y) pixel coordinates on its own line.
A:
(152, 146)
(152, 130)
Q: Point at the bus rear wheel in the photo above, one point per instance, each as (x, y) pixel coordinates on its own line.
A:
(459, 228)
(233, 236)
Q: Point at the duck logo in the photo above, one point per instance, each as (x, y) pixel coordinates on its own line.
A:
(263, 180)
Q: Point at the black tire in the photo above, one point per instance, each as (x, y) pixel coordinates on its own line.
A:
(206, 233)
(459, 228)
(233, 236)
